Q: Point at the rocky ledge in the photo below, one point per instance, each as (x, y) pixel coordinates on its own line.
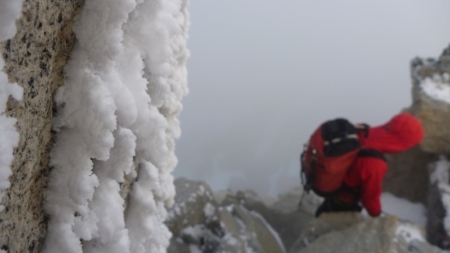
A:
(204, 221)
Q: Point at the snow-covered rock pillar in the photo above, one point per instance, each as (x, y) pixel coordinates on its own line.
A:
(118, 107)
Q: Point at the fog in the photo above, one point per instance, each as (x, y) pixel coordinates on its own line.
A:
(264, 74)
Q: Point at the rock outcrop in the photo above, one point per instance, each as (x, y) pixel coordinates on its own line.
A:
(431, 108)
(240, 223)
(34, 59)
(244, 222)
(355, 233)
(285, 215)
(431, 105)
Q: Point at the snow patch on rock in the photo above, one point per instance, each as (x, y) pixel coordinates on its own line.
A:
(437, 87)
(409, 232)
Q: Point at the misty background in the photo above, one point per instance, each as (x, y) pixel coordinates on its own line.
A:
(264, 74)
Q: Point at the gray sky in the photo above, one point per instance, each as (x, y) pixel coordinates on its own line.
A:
(264, 74)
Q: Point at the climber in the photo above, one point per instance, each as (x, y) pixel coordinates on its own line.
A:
(362, 181)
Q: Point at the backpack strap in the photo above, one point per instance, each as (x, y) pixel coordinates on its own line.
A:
(364, 128)
(366, 152)
(307, 180)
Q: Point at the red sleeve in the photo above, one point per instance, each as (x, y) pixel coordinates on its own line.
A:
(372, 174)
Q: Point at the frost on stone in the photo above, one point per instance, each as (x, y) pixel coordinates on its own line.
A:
(9, 11)
(119, 106)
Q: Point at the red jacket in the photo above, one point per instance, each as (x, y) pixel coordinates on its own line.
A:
(363, 180)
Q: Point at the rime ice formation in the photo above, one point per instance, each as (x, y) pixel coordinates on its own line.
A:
(9, 12)
(118, 107)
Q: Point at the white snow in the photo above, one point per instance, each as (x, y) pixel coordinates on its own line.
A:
(209, 210)
(409, 232)
(403, 209)
(194, 231)
(437, 87)
(440, 177)
(118, 108)
(10, 10)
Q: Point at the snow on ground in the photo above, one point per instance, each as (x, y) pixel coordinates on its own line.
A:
(9, 11)
(119, 107)
(403, 209)
(437, 87)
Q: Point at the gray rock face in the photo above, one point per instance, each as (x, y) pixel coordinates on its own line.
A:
(34, 59)
(409, 168)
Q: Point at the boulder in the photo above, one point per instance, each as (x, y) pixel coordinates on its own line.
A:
(355, 233)
(247, 232)
(285, 215)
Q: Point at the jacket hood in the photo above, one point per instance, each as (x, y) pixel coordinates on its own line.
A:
(402, 132)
